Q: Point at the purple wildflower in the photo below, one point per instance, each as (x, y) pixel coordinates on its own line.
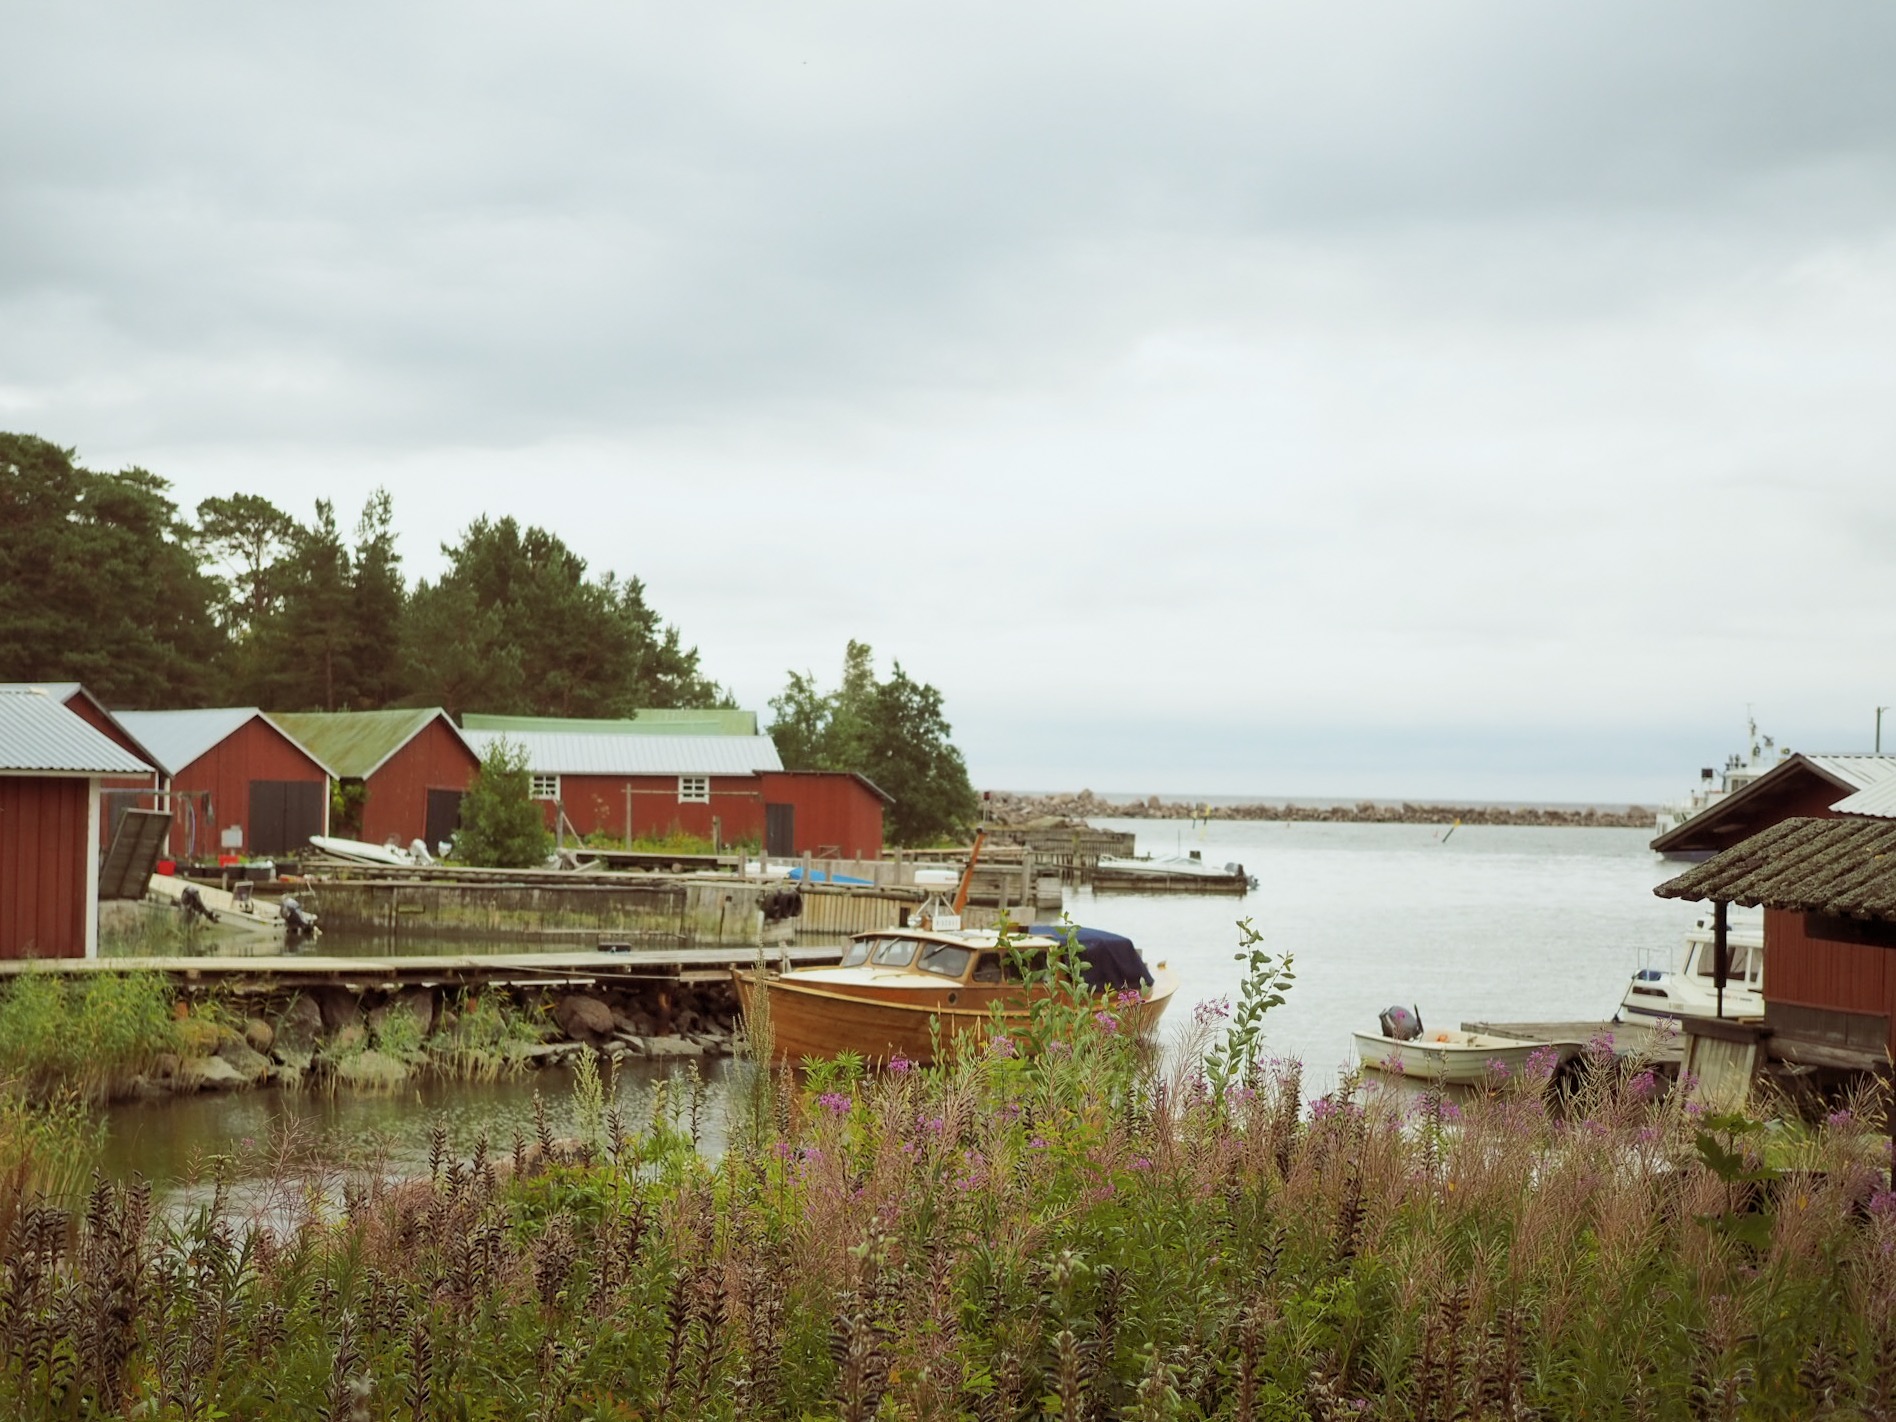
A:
(1141, 1162)
(1059, 1049)
(836, 1101)
(1840, 1120)
(1644, 1086)
(901, 1065)
(1106, 1021)
(1498, 1069)
(1212, 1010)
(1132, 997)
(1001, 1047)
(1883, 1202)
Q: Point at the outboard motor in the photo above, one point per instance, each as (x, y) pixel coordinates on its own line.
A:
(1404, 1024)
(296, 921)
(192, 902)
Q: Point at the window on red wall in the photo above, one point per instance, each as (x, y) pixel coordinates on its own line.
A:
(694, 789)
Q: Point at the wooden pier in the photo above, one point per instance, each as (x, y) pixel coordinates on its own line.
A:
(1630, 1039)
(271, 972)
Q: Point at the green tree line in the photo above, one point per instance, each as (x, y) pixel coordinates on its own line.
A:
(105, 580)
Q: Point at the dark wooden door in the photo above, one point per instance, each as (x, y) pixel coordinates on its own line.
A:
(780, 830)
(283, 815)
(444, 817)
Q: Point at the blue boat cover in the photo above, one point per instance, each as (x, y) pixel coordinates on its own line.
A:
(818, 876)
(1111, 960)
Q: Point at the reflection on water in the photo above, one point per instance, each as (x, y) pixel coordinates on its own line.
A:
(1494, 922)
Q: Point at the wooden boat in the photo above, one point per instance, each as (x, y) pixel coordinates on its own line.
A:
(900, 991)
(1454, 1057)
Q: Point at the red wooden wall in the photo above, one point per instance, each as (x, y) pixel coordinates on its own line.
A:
(397, 803)
(596, 804)
(836, 814)
(44, 855)
(84, 708)
(1814, 972)
(256, 750)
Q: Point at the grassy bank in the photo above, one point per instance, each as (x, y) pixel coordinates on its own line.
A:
(1057, 1226)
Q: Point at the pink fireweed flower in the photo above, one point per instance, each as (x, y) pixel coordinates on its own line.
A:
(1141, 1162)
(901, 1065)
(1037, 1143)
(1212, 1010)
(1541, 1063)
(1393, 1064)
(1840, 1120)
(835, 1101)
(1498, 1069)
(1106, 1021)
(1059, 1049)
(1643, 1086)
(1131, 998)
(1883, 1203)
(1000, 1047)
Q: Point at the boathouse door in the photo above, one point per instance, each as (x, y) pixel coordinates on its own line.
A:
(780, 831)
(444, 817)
(284, 814)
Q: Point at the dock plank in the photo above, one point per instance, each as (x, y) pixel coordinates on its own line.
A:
(1630, 1039)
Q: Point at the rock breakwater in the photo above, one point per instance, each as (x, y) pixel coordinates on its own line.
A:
(1008, 808)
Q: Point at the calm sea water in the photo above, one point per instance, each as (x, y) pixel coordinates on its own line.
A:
(1490, 922)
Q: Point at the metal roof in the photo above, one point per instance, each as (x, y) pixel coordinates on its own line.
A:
(38, 733)
(1842, 867)
(1862, 770)
(179, 737)
(356, 744)
(666, 721)
(64, 691)
(1878, 800)
(590, 753)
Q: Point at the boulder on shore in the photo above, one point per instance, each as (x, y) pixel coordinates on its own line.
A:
(209, 1074)
(583, 1018)
(300, 1025)
(251, 1064)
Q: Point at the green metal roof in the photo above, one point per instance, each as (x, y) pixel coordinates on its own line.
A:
(354, 744)
(665, 722)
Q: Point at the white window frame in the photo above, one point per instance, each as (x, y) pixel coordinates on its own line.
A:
(544, 787)
(694, 789)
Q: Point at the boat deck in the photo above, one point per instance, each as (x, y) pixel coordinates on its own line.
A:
(1630, 1039)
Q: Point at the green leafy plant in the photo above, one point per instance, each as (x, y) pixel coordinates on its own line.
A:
(1267, 979)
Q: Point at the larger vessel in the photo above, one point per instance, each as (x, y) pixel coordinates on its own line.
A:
(1689, 988)
(1740, 769)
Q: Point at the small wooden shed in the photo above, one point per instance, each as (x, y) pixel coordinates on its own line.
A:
(239, 783)
(414, 766)
(51, 763)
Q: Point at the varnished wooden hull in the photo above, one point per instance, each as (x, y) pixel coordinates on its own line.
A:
(812, 1020)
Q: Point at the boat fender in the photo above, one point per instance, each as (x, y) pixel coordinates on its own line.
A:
(1403, 1024)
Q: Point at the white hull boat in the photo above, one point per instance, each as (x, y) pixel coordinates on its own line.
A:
(1454, 1057)
(1687, 989)
(358, 851)
(1714, 785)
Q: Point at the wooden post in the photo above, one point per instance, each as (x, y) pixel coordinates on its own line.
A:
(1721, 950)
(717, 833)
(628, 814)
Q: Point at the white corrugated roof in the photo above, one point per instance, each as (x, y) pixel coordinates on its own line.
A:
(37, 732)
(180, 737)
(1878, 800)
(1861, 771)
(564, 753)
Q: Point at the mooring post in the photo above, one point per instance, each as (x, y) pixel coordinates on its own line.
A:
(1721, 950)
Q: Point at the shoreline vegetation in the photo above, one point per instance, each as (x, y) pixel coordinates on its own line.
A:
(1012, 809)
(1058, 1223)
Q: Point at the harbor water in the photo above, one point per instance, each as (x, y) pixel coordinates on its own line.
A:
(1497, 923)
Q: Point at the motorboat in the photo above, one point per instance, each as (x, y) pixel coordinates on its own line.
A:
(1688, 988)
(1454, 1057)
(1170, 871)
(358, 851)
(904, 992)
(1740, 769)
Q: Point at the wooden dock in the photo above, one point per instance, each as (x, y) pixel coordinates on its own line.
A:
(273, 971)
(1630, 1039)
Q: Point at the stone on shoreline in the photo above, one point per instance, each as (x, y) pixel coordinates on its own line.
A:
(209, 1074)
(660, 1047)
(259, 1034)
(251, 1064)
(583, 1018)
(299, 1027)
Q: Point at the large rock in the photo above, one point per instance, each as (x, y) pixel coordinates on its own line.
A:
(415, 1002)
(670, 1047)
(209, 1074)
(259, 1034)
(300, 1027)
(338, 1007)
(371, 1069)
(252, 1065)
(583, 1018)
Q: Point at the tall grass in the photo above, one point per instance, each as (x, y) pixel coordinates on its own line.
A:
(1077, 1232)
(87, 1035)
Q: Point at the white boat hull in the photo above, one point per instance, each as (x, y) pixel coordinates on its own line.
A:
(1455, 1058)
(362, 852)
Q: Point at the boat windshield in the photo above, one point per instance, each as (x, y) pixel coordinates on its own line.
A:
(996, 968)
(1740, 960)
(895, 953)
(856, 952)
(945, 959)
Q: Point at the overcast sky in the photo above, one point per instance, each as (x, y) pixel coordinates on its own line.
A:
(1462, 399)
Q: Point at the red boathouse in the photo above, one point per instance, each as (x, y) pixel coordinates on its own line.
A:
(239, 784)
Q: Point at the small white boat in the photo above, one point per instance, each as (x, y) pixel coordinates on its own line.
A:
(1687, 989)
(358, 851)
(1170, 871)
(1714, 785)
(1454, 1057)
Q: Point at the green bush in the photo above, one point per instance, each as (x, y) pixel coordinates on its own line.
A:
(502, 825)
(84, 1033)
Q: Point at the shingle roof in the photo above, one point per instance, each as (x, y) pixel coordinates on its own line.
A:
(38, 733)
(553, 753)
(666, 721)
(356, 744)
(1843, 867)
(180, 737)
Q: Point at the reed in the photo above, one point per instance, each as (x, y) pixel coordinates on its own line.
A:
(1073, 1234)
(85, 1036)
